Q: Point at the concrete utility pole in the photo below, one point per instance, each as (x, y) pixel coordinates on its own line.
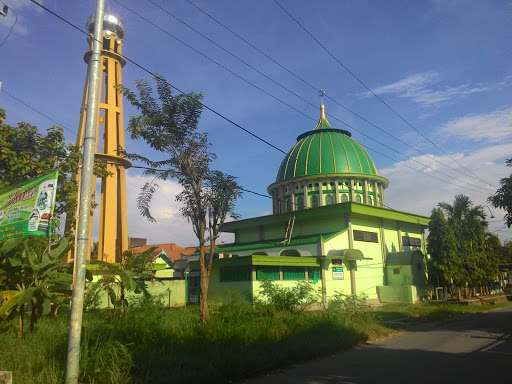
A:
(77, 303)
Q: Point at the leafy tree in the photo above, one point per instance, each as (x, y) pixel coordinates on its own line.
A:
(503, 197)
(128, 275)
(33, 276)
(208, 196)
(442, 247)
(469, 226)
(26, 154)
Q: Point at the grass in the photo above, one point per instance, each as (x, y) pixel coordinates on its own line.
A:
(152, 345)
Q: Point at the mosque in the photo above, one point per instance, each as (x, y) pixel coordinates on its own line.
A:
(330, 226)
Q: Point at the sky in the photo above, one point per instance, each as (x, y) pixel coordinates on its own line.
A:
(423, 86)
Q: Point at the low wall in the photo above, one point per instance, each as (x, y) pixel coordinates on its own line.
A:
(170, 292)
(398, 293)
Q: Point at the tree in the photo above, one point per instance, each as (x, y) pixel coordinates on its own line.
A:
(208, 196)
(442, 248)
(130, 274)
(469, 226)
(502, 199)
(25, 154)
(33, 276)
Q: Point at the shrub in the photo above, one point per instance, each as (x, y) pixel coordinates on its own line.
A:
(274, 298)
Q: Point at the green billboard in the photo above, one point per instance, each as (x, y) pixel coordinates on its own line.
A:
(27, 208)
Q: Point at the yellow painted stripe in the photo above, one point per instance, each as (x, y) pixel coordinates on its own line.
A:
(320, 152)
(345, 149)
(368, 158)
(297, 157)
(359, 161)
(307, 156)
(333, 155)
(288, 161)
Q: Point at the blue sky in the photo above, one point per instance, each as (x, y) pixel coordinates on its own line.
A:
(443, 66)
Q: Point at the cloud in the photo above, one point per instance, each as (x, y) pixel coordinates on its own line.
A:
(416, 192)
(170, 225)
(420, 88)
(15, 14)
(493, 127)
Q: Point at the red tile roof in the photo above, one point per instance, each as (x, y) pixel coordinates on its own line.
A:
(172, 250)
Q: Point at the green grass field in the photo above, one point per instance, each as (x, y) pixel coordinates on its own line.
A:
(153, 345)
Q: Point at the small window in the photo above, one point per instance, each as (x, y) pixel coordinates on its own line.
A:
(411, 241)
(300, 202)
(370, 201)
(310, 185)
(288, 205)
(234, 274)
(358, 198)
(314, 201)
(328, 200)
(324, 184)
(396, 271)
(267, 273)
(294, 273)
(316, 184)
(344, 198)
(370, 237)
(331, 183)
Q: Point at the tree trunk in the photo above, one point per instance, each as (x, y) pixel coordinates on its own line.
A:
(203, 300)
(20, 321)
(33, 316)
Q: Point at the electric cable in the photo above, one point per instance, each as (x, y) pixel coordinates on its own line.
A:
(316, 89)
(298, 96)
(12, 26)
(204, 105)
(374, 94)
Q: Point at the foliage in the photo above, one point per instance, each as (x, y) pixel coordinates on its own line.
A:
(117, 278)
(35, 278)
(503, 197)
(165, 346)
(208, 196)
(272, 297)
(25, 154)
(462, 252)
(442, 247)
(349, 304)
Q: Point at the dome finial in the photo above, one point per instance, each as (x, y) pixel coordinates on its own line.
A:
(322, 123)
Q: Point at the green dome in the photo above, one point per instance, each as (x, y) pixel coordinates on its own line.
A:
(325, 150)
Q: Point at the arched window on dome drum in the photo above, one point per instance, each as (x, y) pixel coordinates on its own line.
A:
(279, 206)
(288, 205)
(328, 200)
(314, 201)
(358, 198)
(370, 201)
(344, 198)
(300, 202)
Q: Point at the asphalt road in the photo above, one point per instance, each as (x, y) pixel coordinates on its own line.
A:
(475, 349)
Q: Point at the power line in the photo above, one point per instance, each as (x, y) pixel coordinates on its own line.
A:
(44, 115)
(207, 107)
(374, 94)
(12, 26)
(298, 96)
(328, 97)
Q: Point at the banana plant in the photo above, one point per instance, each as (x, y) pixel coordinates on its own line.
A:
(130, 274)
(34, 280)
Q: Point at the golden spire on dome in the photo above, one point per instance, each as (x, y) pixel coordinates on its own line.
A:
(322, 123)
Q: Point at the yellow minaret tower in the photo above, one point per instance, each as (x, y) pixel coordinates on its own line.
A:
(113, 225)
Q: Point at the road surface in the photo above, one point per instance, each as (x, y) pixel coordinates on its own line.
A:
(475, 349)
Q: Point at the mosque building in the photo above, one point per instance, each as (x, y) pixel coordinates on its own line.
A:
(330, 226)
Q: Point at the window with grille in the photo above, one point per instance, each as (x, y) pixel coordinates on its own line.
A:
(294, 273)
(234, 274)
(267, 273)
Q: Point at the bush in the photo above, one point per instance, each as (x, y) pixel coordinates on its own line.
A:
(273, 298)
